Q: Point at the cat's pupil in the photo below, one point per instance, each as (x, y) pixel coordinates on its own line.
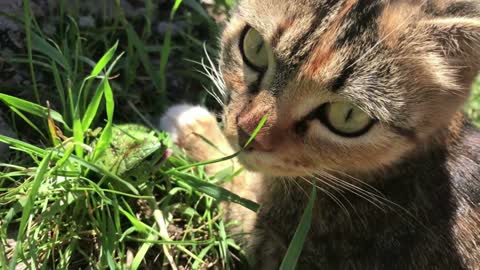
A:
(349, 115)
(260, 47)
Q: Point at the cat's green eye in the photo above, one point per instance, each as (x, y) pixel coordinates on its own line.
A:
(254, 49)
(346, 119)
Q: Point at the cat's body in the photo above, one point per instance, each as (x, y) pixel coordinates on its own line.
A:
(426, 218)
(364, 101)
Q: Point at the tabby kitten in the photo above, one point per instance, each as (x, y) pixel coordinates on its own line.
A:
(364, 101)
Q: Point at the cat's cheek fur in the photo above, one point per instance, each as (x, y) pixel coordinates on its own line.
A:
(377, 149)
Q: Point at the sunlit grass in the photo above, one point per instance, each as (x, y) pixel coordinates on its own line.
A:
(473, 107)
(82, 190)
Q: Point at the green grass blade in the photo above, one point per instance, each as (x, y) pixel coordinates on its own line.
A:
(26, 147)
(138, 224)
(84, 92)
(78, 135)
(212, 190)
(145, 60)
(28, 31)
(106, 136)
(257, 129)
(41, 45)
(103, 171)
(94, 104)
(59, 85)
(27, 209)
(30, 123)
(137, 260)
(196, 265)
(102, 63)
(92, 108)
(175, 8)
(252, 137)
(197, 7)
(31, 108)
(296, 245)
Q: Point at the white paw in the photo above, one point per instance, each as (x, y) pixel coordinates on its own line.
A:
(178, 118)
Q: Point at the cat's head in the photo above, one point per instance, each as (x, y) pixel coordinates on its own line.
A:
(347, 85)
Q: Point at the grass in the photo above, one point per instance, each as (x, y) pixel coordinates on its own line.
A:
(84, 191)
(473, 106)
(81, 190)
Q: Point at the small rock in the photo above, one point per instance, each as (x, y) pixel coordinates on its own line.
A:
(86, 22)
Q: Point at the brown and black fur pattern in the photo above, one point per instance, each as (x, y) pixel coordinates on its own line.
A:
(403, 196)
(424, 216)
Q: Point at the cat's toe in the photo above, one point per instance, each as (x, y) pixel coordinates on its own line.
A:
(196, 131)
(183, 119)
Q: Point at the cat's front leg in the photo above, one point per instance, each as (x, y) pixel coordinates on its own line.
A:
(196, 131)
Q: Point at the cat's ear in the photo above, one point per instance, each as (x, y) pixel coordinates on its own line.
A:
(459, 42)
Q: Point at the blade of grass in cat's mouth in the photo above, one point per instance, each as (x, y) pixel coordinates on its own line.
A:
(268, 163)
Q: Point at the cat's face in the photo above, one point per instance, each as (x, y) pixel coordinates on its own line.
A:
(348, 86)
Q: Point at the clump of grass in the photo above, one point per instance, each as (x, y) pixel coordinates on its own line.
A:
(84, 192)
(80, 190)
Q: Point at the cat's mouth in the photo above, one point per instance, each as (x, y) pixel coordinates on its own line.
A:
(268, 163)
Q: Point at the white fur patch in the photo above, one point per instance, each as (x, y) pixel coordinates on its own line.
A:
(180, 116)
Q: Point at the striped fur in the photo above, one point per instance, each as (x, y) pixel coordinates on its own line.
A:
(405, 195)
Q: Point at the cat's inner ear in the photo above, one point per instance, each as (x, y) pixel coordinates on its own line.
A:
(459, 41)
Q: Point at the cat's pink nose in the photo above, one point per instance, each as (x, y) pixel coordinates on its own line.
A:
(246, 125)
(257, 144)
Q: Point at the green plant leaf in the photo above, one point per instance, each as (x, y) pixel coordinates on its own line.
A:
(32, 108)
(103, 171)
(102, 63)
(296, 245)
(197, 7)
(41, 45)
(27, 209)
(92, 108)
(78, 135)
(106, 136)
(142, 251)
(26, 147)
(141, 51)
(30, 123)
(212, 190)
(257, 129)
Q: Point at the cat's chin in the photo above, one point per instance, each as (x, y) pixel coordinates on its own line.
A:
(266, 164)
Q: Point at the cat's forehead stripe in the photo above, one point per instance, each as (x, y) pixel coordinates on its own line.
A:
(352, 20)
(358, 20)
(338, 24)
(323, 14)
(281, 29)
(339, 82)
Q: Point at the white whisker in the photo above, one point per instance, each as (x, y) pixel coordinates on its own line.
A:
(210, 70)
(370, 50)
(378, 200)
(329, 194)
